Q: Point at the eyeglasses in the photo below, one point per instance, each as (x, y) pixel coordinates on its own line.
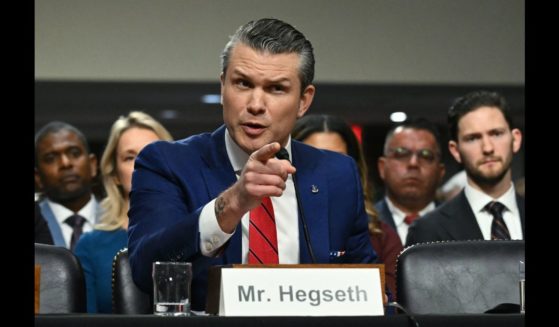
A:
(405, 154)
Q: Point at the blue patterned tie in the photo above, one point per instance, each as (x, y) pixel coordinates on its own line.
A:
(499, 230)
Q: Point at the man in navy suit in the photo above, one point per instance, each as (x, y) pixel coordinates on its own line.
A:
(190, 199)
(484, 140)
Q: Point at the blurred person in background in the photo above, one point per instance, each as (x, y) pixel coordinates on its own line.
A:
(96, 249)
(334, 134)
(484, 140)
(64, 172)
(411, 169)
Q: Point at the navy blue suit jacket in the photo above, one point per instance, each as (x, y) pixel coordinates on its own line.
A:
(454, 220)
(173, 181)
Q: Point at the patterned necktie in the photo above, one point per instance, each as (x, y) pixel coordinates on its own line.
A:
(410, 218)
(499, 230)
(262, 235)
(76, 222)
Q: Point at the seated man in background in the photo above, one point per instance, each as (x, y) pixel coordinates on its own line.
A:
(484, 140)
(64, 171)
(411, 169)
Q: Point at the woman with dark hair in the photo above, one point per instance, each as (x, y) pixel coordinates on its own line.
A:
(333, 133)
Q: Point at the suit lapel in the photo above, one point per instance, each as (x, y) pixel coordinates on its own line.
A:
(313, 192)
(385, 213)
(54, 227)
(218, 175)
(461, 223)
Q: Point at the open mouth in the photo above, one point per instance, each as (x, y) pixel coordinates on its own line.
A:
(253, 129)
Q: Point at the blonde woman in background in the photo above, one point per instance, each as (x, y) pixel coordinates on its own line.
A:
(96, 249)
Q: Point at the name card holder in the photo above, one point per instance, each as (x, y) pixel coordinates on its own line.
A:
(296, 290)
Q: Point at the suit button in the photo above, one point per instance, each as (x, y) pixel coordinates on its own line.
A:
(209, 246)
(215, 239)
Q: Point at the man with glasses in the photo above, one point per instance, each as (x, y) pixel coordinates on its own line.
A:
(411, 169)
(484, 140)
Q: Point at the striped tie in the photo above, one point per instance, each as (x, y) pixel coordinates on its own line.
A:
(263, 241)
(499, 230)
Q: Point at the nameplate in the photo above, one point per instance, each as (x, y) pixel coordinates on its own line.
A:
(301, 292)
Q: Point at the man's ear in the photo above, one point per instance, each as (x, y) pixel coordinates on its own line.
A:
(306, 100)
(222, 80)
(380, 165)
(453, 148)
(516, 140)
(38, 179)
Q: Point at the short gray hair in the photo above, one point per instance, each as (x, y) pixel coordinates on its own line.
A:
(273, 36)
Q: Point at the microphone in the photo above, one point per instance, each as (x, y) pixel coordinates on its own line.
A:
(282, 154)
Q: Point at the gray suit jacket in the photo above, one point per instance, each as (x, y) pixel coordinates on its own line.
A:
(454, 220)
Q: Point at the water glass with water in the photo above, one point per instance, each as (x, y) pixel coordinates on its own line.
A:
(171, 288)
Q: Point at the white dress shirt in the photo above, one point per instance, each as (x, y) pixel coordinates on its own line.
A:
(285, 211)
(61, 213)
(398, 216)
(511, 215)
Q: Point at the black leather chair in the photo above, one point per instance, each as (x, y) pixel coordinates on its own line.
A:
(127, 297)
(62, 288)
(459, 276)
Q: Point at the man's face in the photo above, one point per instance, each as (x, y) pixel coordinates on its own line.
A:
(65, 171)
(411, 170)
(261, 97)
(485, 145)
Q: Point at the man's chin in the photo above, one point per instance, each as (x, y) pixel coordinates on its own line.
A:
(67, 195)
(251, 145)
(488, 178)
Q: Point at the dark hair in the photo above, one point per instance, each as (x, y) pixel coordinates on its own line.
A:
(473, 101)
(419, 124)
(273, 36)
(55, 127)
(310, 124)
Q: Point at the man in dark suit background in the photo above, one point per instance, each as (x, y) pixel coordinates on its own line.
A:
(484, 140)
(65, 171)
(190, 200)
(411, 169)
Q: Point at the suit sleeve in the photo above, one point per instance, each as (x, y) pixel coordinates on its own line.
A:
(42, 232)
(359, 245)
(163, 222)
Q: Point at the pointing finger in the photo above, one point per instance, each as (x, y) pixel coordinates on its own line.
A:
(266, 152)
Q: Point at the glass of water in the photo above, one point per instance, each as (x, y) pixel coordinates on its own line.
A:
(171, 288)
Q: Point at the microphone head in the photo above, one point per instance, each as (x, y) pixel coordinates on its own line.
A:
(282, 154)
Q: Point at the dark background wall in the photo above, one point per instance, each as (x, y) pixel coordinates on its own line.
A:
(97, 60)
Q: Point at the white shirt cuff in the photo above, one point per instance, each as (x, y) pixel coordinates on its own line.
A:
(211, 236)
